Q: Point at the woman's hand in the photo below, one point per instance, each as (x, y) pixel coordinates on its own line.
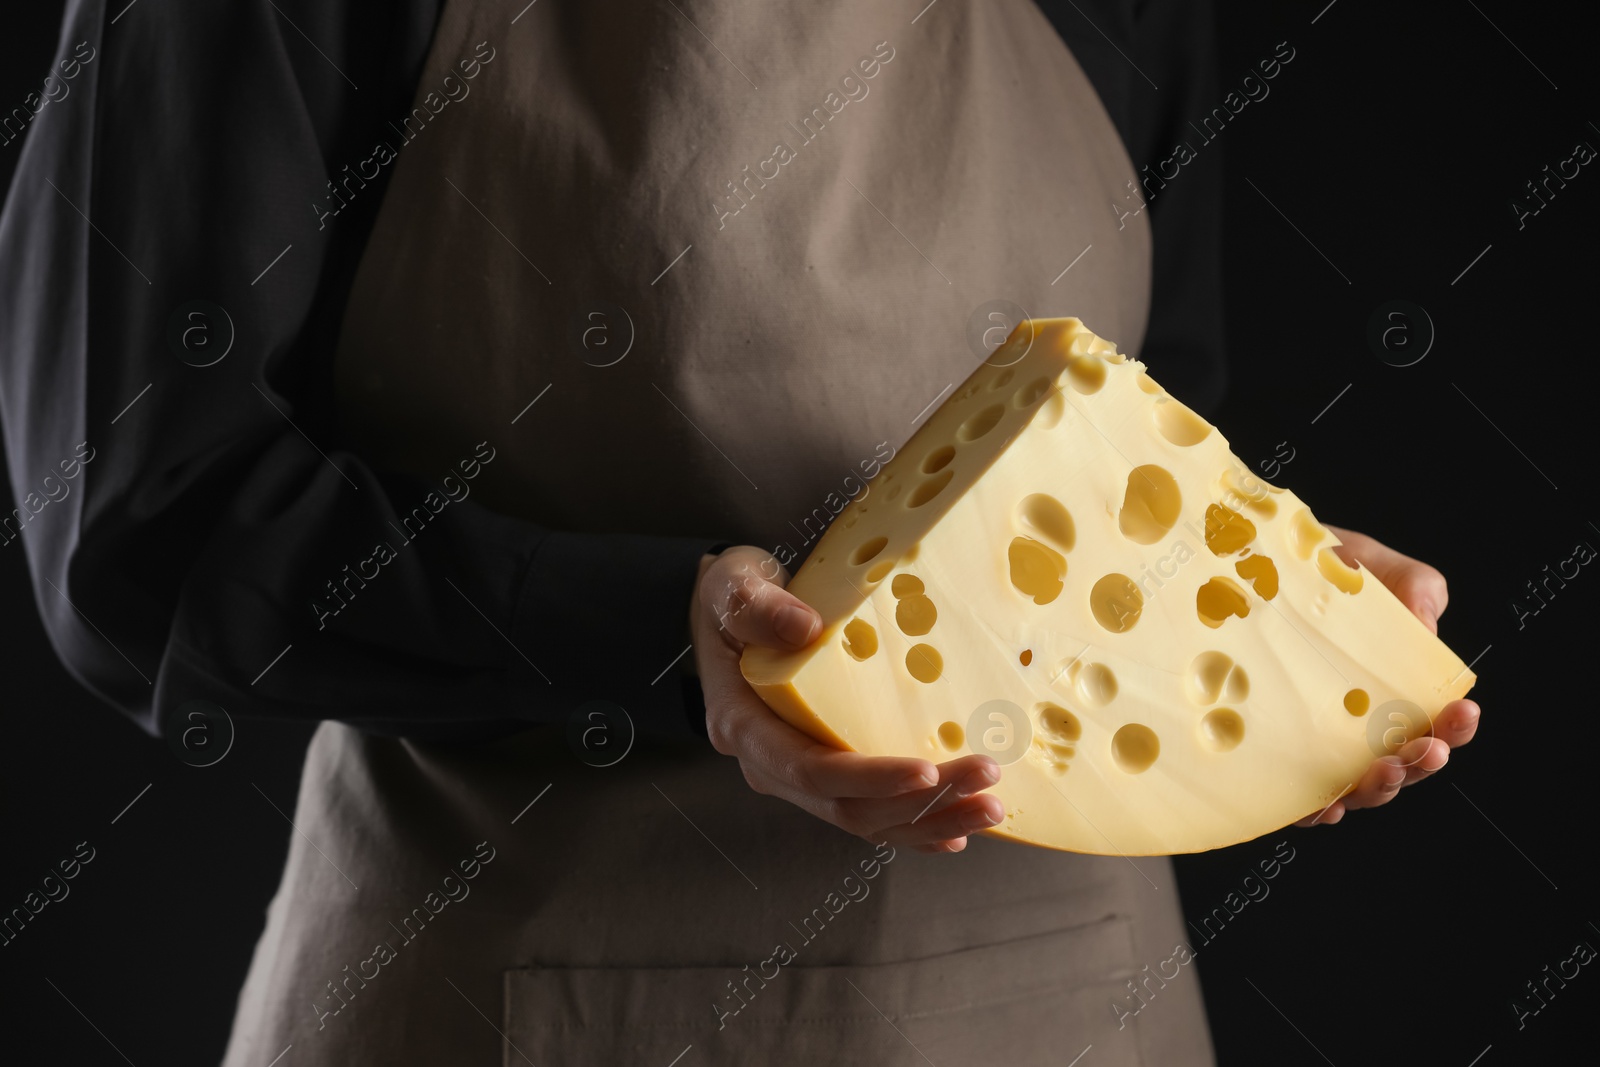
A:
(740, 600)
(1422, 589)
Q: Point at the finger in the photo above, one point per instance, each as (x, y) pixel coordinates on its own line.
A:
(955, 844)
(1420, 587)
(746, 598)
(1457, 723)
(969, 816)
(938, 820)
(866, 816)
(1423, 757)
(958, 780)
(1378, 785)
(746, 728)
(1326, 817)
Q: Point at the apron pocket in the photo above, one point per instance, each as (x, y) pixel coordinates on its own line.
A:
(1036, 1000)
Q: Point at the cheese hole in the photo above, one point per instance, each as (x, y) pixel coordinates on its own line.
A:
(1135, 748)
(981, 423)
(1050, 414)
(1096, 684)
(1032, 393)
(1242, 489)
(1343, 577)
(1050, 519)
(1356, 702)
(860, 639)
(1116, 603)
(1057, 722)
(1227, 531)
(1178, 424)
(915, 615)
(1206, 676)
(1148, 384)
(1261, 573)
(1037, 570)
(1220, 599)
(1222, 729)
(1086, 374)
(951, 735)
(894, 491)
(1150, 506)
(938, 459)
(1304, 533)
(850, 521)
(1026, 657)
(1003, 379)
(867, 550)
(880, 571)
(929, 489)
(905, 585)
(924, 663)
(1238, 687)
(1104, 349)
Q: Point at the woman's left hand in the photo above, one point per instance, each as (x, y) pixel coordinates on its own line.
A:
(1422, 589)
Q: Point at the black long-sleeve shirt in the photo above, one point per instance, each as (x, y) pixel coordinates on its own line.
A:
(172, 562)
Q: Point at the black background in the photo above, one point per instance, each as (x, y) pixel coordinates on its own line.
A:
(1395, 143)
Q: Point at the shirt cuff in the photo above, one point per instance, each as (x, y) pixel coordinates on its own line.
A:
(605, 617)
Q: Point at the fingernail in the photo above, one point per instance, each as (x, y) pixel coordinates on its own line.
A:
(977, 820)
(920, 780)
(793, 624)
(976, 782)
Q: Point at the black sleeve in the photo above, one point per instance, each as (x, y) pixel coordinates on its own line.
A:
(1153, 64)
(189, 528)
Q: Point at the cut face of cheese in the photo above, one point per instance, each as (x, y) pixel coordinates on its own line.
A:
(1068, 570)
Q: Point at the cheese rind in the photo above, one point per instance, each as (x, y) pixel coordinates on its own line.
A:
(1162, 651)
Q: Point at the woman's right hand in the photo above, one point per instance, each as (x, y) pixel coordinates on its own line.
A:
(904, 801)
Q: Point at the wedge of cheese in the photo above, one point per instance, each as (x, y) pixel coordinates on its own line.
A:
(1067, 569)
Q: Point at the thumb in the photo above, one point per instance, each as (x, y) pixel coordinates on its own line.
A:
(753, 608)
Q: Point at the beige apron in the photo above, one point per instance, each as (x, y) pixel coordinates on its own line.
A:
(792, 213)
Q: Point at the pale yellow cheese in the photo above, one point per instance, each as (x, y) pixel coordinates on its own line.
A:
(1069, 570)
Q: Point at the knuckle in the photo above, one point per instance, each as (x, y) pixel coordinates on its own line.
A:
(752, 779)
(719, 734)
(1428, 581)
(797, 772)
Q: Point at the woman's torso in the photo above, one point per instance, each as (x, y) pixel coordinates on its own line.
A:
(765, 355)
